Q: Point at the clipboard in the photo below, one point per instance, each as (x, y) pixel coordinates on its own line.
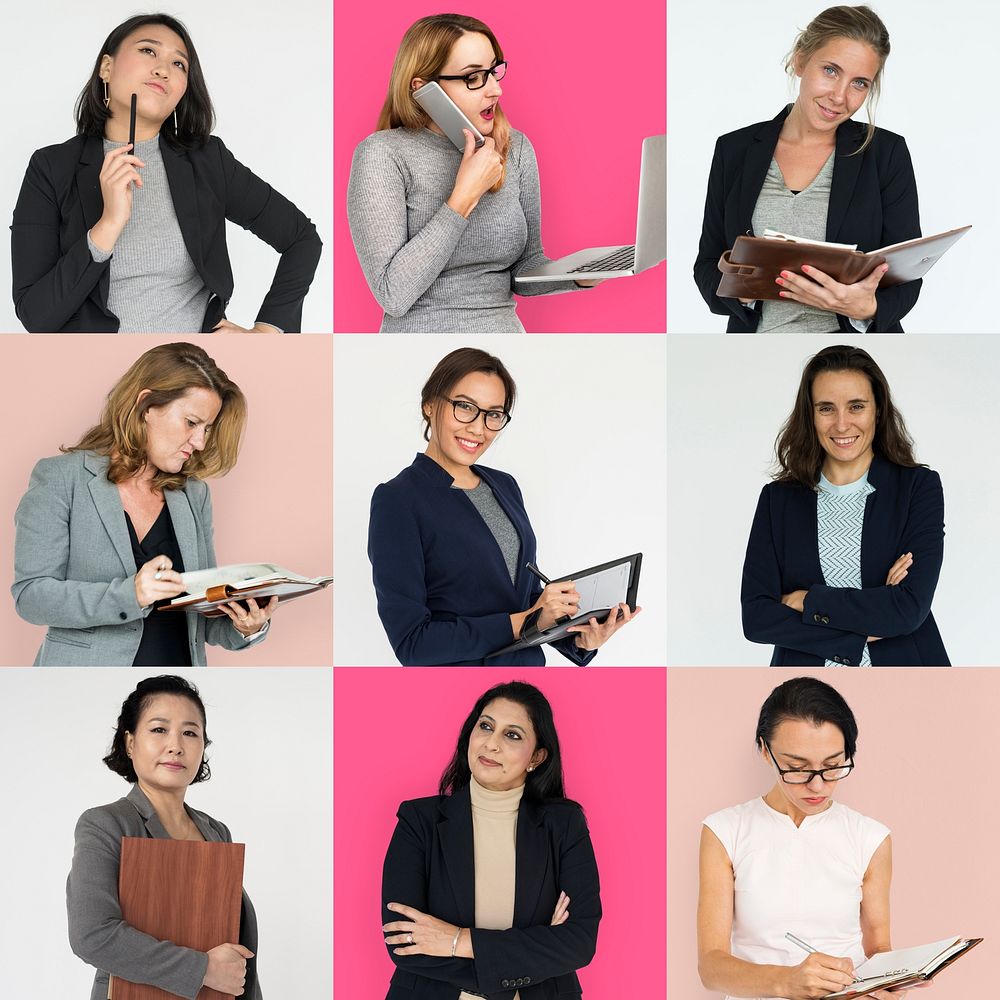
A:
(601, 588)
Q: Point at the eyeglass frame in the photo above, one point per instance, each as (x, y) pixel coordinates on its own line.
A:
(479, 410)
(465, 76)
(806, 770)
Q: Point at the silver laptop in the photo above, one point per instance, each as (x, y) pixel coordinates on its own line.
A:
(650, 231)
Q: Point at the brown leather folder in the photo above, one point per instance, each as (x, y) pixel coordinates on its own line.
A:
(750, 268)
(184, 891)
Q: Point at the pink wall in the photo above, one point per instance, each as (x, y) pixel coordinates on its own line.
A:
(586, 124)
(926, 750)
(611, 730)
(275, 506)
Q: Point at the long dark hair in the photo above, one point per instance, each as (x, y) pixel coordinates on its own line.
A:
(195, 114)
(812, 700)
(797, 448)
(546, 780)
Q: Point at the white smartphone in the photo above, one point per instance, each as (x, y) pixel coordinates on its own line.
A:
(446, 114)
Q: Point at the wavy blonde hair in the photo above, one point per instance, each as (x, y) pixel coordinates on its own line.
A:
(168, 372)
(423, 53)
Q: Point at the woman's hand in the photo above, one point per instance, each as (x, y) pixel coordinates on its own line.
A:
(557, 600)
(595, 634)
(820, 291)
(899, 569)
(818, 976)
(118, 172)
(156, 581)
(249, 620)
(479, 170)
(420, 933)
(224, 326)
(561, 913)
(796, 600)
(227, 969)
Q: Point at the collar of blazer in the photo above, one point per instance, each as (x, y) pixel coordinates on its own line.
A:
(532, 857)
(142, 805)
(846, 169)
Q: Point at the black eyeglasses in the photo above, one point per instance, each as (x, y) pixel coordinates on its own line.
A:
(477, 80)
(468, 413)
(799, 776)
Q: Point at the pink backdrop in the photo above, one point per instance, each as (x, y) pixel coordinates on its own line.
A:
(275, 506)
(926, 753)
(611, 730)
(589, 175)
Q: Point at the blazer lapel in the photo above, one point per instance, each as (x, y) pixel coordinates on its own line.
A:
(88, 183)
(531, 865)
(517, 518)
(875, 532)
(755, 166)
(846, 170)
(152, 822)
(804, 526)
(184, 527)
(455, 835)
(180, 179)
(108, 502)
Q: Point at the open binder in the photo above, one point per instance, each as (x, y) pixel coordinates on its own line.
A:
(750, 268)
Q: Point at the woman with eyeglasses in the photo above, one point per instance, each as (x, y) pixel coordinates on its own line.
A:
(449, 540)
(794, 863)
(441, 234)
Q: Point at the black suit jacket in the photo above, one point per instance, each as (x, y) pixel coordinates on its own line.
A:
(873, 203)
(59, 288)
(430, 865)
(904, 514)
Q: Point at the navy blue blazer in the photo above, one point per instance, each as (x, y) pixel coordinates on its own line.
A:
(430, 865)
(444, 592)
(904, 514)
(873, 203)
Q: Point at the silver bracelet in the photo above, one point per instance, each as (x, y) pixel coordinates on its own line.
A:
(454, 942)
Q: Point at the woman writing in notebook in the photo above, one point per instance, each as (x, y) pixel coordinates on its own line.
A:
(847, 542)
(815, 173)
(449, 539)
(798, 862)
(106, 529)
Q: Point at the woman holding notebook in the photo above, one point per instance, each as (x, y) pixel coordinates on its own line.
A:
(814, 173)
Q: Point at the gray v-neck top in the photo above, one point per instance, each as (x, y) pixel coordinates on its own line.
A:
(498, 522)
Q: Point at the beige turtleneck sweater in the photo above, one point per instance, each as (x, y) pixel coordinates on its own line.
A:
(494, 831)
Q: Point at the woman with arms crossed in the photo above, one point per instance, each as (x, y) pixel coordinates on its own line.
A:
(847, 543)
(107, 237)
(490, 888)
(815, 173)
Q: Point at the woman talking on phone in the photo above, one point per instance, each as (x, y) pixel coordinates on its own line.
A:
(441, 234)
(111, 236)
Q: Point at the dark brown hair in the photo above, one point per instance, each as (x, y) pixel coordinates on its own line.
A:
(797, 448)
(452, 368)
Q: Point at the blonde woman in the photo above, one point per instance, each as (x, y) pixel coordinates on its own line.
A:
(106, 528)
(816, 173)
(441, 234)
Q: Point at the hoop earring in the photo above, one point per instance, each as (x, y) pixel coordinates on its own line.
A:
(107, 96)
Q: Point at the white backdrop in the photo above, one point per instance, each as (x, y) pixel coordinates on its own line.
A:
(725, 70)
(586, 445)
(270, 74)
(272, 785)
(727, 399)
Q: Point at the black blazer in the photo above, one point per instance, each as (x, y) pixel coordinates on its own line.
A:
(873, 203)
(430, 865)
(59, 288)
(904, 514)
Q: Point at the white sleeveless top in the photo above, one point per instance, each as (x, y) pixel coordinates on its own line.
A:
(804, 879)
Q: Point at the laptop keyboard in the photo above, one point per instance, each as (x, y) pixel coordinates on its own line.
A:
(620, 260)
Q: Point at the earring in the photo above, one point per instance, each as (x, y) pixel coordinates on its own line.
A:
(531, 767)
(107, 96)
(175, 121)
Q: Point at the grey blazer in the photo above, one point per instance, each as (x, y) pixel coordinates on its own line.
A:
(97, 933)
(74, 570)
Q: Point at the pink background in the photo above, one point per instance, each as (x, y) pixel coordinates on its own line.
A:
(611, 731)
(586, 124)
(275, 506)
(925, 767)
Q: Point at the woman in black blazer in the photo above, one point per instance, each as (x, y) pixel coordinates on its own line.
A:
(812, 154)
(87, 239)
(470, 911)
(449, 540)
(847, 543)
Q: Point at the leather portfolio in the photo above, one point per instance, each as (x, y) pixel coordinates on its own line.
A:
(185, 891)
(750, 268)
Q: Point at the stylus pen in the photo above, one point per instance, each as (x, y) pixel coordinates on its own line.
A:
(532, 568)
(131, 123)
(809, 948)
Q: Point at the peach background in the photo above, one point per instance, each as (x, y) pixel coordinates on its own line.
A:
(395, 730)
(275, 506)
(925, 767)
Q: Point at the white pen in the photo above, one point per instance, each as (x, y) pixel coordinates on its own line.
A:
(809, 948)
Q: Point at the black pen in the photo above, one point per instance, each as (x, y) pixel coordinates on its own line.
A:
(131, 123)
(533, 569)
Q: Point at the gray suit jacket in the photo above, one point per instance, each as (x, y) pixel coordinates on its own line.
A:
(97, 933)
(74, 570)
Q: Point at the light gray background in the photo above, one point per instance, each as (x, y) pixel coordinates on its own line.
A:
(272, 785)
(586, 445)
(725, 70)
(727, 399)
(269, 71)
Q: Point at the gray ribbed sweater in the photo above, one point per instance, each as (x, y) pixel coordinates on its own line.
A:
(431, 270)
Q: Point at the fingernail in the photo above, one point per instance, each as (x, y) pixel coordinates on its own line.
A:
(806, 267)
